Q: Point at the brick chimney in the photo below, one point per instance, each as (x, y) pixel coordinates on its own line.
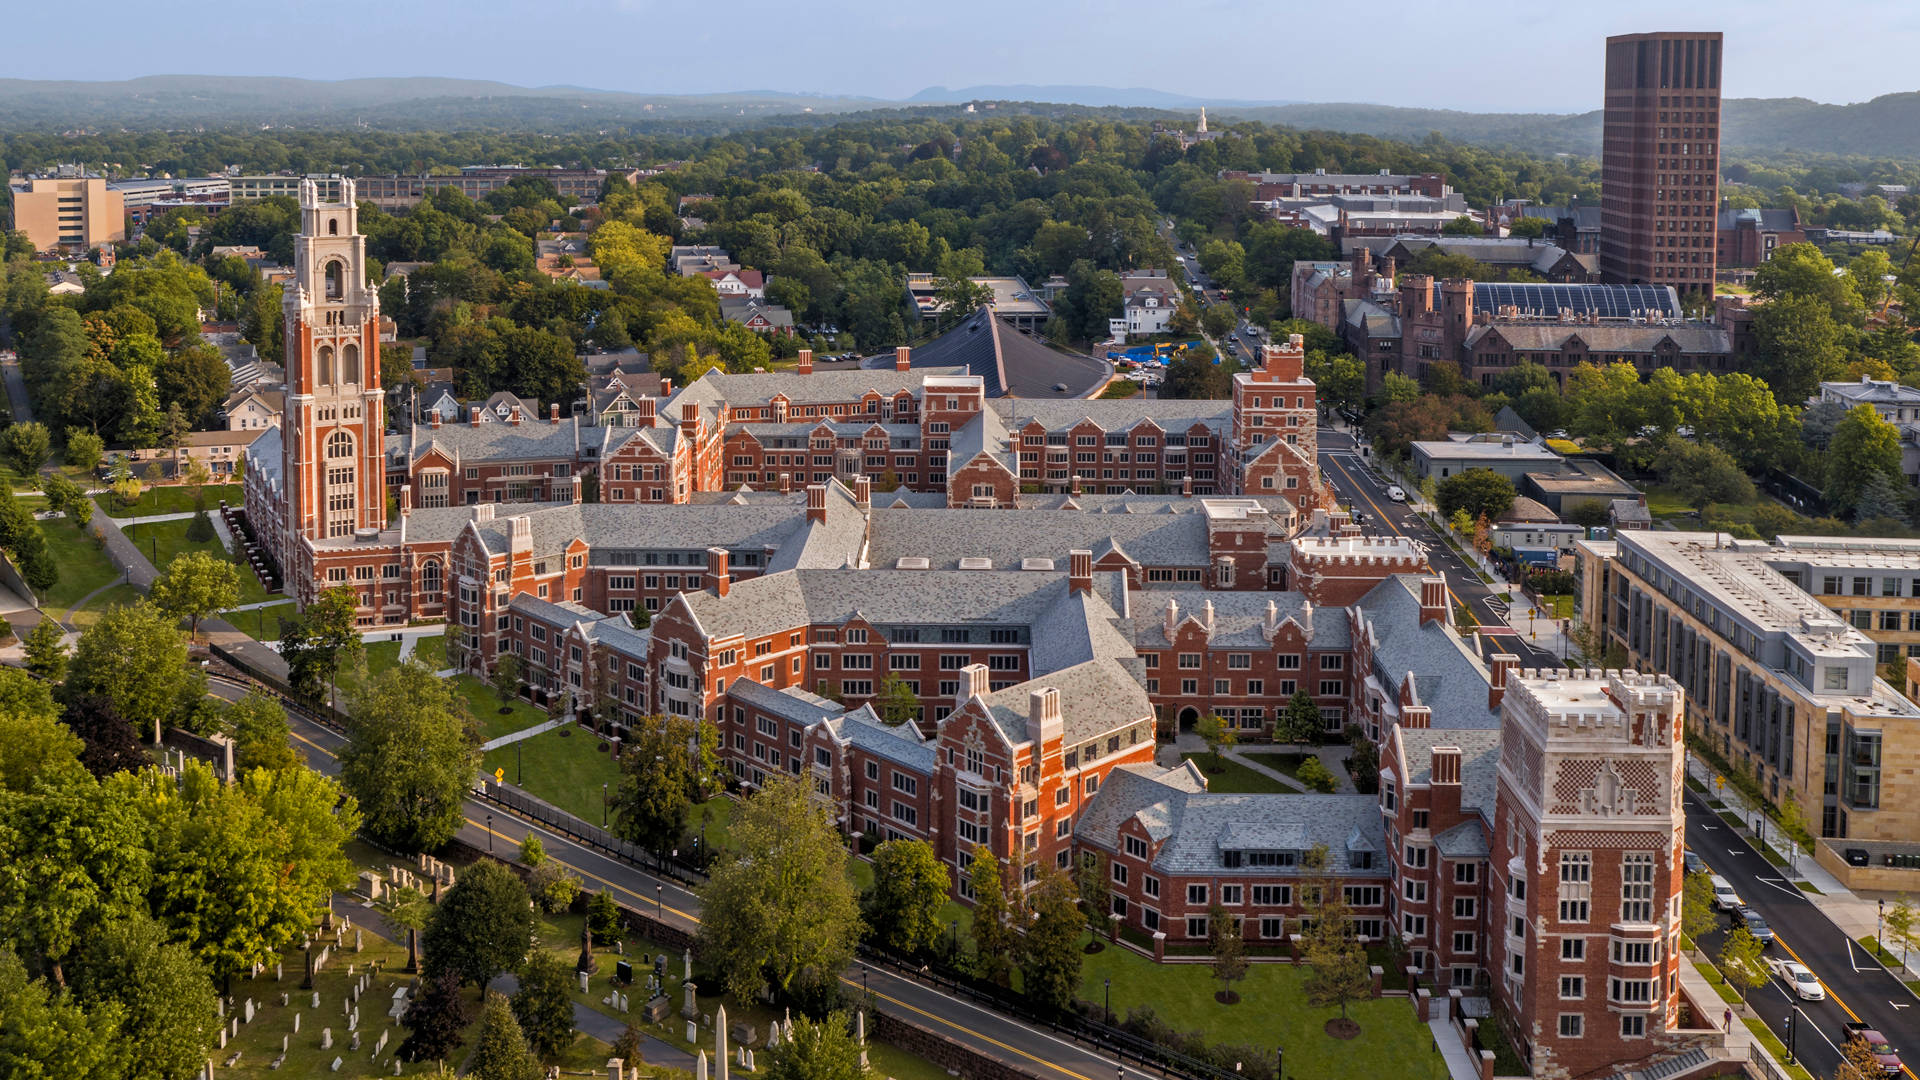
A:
(1043, 716)
(690, 421)
(805, 366)
(1416, 716)
(973, 682)
(513, 417)
(433, 418)
(786, 483)
(817, 503)
(1433, 601)
(1186, 487)
(902, 358)
(1075, 486)
(643, 411)
(553, 413)
(1504, 665)
(863, 492)
(1443, 794)
(1080, 571)
(717, 569)
(473, 416)
(406, 499)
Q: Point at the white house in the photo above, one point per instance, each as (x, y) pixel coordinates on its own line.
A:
(1150, 310)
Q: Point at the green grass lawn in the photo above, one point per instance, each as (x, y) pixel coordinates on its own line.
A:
(1280, 760)
(1233, 777)
(565, 767)
(117, 596)
(486, 709)
(1272, 1011)
(260, 624)
(164, 541)
(177, 499)
(1556, 607)
(82, 563)
(382, 655)
(431, 652)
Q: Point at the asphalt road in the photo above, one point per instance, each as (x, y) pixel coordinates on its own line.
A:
(1858, 989)
(487, 827)
(1360, 488)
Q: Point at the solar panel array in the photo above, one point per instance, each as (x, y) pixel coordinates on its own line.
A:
(1608, 301)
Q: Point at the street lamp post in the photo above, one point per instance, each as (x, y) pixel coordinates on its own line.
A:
(489, 834)
(1279, 1063)
(1879, 926)
(660, 900)
(519, 763)
(603, 805)
(1790, 1032)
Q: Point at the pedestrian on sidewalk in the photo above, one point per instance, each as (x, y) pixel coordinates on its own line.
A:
(1727, 1021)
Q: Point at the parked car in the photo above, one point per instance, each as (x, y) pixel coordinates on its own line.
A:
(1756, 925)
(1877, 1045)
(1695, 864)
(1724, 897)
(1396, 493)
(1801, 981)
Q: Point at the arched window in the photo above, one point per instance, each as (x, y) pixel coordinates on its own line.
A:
(336, 280)
(333, 226)
(350, 363)
(430, 577)
(323, 371)
(339, 445)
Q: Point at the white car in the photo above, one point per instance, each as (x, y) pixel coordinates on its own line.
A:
(1724, 897)
(1396, 493)
(1805, 984)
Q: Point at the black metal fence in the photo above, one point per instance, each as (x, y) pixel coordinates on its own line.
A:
(583, 832)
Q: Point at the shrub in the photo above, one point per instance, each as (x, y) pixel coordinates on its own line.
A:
(1315, 775)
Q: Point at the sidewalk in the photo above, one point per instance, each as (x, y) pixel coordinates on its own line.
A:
(1857, 916)
(524, 733)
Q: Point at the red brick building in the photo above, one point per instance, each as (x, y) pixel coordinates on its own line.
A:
(1660, 160)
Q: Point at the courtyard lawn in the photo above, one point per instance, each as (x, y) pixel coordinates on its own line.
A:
(177, 499)
(566, 767)
(81, 561)
(1272, 1012)
(1233, 777)
(431, 652)
(163, 541)
(1284, 761)
(382, 655)
(486, 709)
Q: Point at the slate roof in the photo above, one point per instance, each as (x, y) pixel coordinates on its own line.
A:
(664, 526)
(1009, 362)
(1239, 618)
(1609, 337)
(923, 597)
(530, 440)
(985, 434)
(1195, 826)
(263, 456)
(901, 745)
(1448, 677)
(1479, 760)
(554, 612)
(792, 704)
(758, 388)
(1096, 698)
(1176, 415)
(1375, 320)
(946, 536)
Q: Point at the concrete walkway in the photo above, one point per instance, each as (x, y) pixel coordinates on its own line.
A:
(524, 733)
(608, 1029)
(1446, 1038)
(1334, 757)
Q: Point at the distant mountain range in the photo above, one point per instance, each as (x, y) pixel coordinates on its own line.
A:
(1887, 126)
(1096, 96)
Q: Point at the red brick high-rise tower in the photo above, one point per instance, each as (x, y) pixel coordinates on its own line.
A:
(1660, 160)
(332, 446)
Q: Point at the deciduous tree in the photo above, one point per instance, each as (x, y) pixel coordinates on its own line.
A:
(409, 757)
(194, 585)
(162, 994)
(1050, 950)
(1703, 475)
(1696, 906)
(910, 885)
(436, 1020)
(993, 930)
(262, 739)
(542, 1006)
(135, 657)
(46, 1033)
(481, 926)
(1742, 962)
(817, 1050)
(1477, 491)
(1229, 951)
(780, 911)
(1338, 965)
(1863, 447)
(897, 703)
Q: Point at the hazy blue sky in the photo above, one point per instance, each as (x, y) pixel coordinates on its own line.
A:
(1491, 54)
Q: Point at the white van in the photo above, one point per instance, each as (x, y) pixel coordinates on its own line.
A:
(1724, 897)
